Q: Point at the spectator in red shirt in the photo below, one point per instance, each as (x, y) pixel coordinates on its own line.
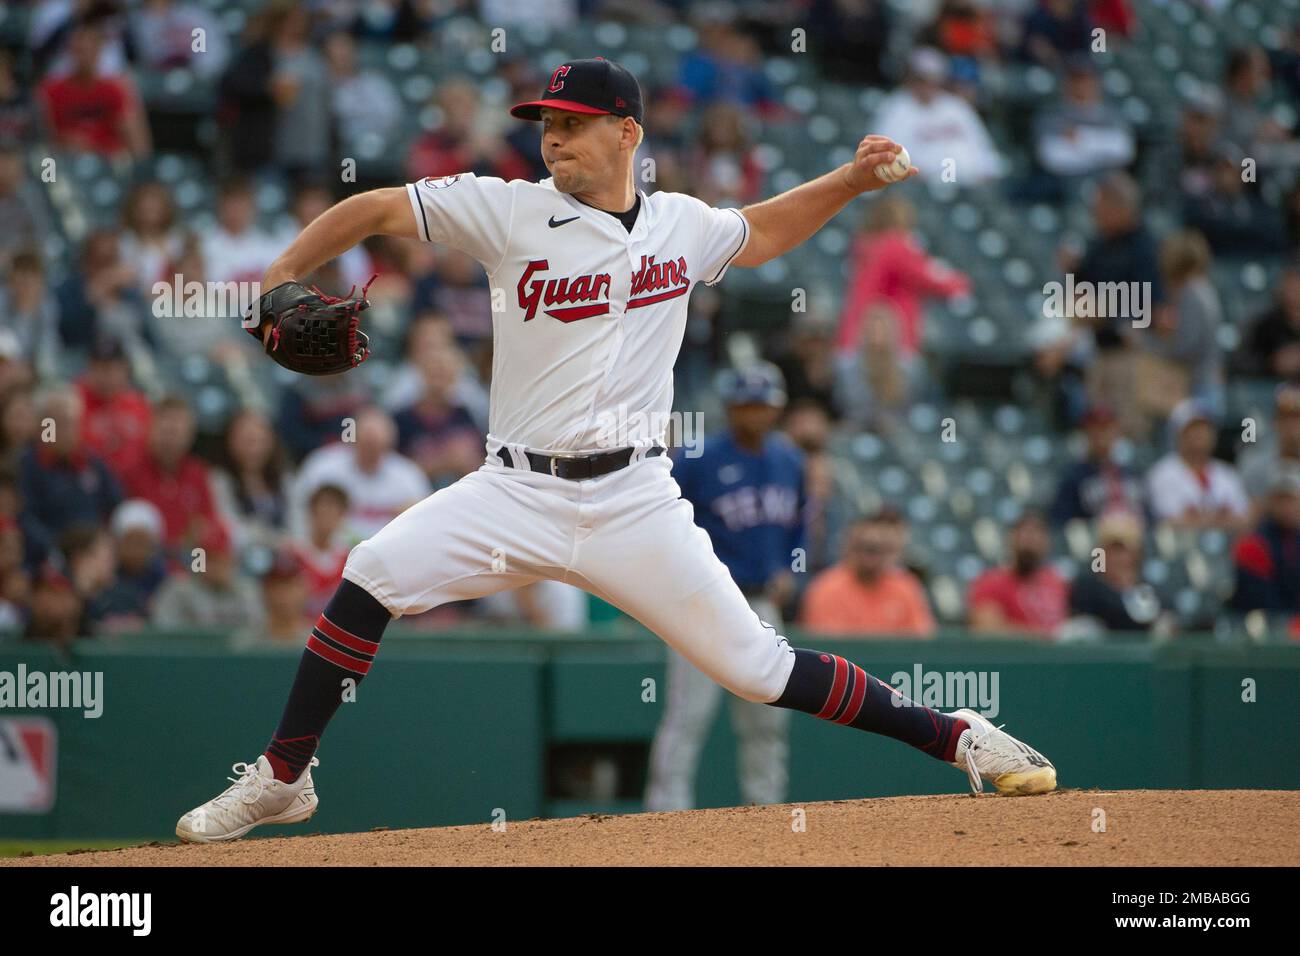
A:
(890, 267)
(1116, 17)
(325, 550)
(116, 425)
(173, 479)
(87, 112)
(1027, 596)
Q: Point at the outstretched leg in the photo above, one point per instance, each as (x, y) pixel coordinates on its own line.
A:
(649, 558)
(834, 689)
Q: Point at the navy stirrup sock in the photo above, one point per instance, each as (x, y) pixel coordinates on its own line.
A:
(838, 690)
(342, 646)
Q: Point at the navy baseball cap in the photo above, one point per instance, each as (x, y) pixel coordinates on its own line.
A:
(759, 384)
(597, 86)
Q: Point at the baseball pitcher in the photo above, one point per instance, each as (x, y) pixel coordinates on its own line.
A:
(590, 278)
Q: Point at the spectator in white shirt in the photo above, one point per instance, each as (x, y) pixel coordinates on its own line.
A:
(1081, 135)
(381, 483)
(238, 250)
(1189, 487)
(170, 35)
(940, 130)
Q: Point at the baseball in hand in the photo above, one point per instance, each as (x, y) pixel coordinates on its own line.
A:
(897, 170)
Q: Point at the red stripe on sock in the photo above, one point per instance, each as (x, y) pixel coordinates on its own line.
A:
(336, 657)
(346, 638)
(859, 695)
(297, 746)
(950, 752)
(836, 696)
(279, 768)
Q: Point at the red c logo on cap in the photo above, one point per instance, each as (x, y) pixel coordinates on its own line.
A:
(557, 84)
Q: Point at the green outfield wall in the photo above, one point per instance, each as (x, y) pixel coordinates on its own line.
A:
(456, 729)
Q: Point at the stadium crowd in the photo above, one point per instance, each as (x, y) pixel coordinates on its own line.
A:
(117, 486)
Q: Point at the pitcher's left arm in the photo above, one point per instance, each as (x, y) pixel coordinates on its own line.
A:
(779, 224)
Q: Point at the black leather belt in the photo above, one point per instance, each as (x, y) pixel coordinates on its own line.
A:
(579, 467)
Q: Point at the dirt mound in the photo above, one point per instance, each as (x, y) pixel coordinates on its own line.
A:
(1141, 827)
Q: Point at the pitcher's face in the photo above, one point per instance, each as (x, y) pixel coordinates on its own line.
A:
(580, 149)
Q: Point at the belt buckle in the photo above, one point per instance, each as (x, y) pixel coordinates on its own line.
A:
(555, 459)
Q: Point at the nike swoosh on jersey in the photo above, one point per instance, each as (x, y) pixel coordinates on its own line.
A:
(563, 222)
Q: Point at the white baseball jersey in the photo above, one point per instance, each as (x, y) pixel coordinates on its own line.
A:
(588, 318)
(588, 322)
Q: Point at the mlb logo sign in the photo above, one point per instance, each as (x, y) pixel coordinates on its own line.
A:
(28, 748)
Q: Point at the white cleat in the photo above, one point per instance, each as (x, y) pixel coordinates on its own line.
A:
(988, 753)
(256, 798)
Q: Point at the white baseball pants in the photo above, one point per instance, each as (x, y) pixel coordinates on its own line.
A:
(627, 537)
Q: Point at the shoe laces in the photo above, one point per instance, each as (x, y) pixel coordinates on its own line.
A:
(972, 769)
(248, 785)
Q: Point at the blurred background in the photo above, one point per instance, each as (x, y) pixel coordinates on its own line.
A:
(956, 431)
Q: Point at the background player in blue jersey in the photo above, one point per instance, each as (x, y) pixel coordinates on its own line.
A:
(747, 488)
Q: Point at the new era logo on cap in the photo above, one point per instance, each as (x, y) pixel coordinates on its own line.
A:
(595, 86)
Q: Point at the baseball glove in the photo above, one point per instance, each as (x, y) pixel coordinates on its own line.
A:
(311, 332)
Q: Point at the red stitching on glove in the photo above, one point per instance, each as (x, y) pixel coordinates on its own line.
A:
(329, 299)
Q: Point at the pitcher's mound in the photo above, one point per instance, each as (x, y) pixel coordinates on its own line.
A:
(1066, 828)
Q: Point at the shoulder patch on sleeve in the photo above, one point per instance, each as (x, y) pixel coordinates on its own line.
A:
(441, 182)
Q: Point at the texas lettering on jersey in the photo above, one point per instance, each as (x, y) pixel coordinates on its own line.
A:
(751, 506)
